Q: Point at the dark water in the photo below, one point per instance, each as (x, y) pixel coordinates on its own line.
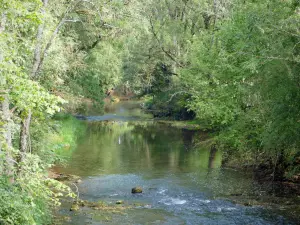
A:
(182, 179)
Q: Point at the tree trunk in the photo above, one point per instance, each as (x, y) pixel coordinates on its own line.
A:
(37, 61)
(2, 29)
(44, 53)
(37, 51)
(24, 134)
(39, 41)
(215, 10)
(2, 22)
(39, 54)
(5, 128)
(6, 139)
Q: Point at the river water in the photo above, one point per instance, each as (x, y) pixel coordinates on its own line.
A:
(182, 179)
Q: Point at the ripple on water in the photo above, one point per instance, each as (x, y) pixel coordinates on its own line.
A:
(173, 201)
(203, 201)
(169, 204)
(162, 191)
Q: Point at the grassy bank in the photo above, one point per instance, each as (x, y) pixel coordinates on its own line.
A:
(64, 141)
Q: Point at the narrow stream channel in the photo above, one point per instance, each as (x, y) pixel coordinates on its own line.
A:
(182, 181)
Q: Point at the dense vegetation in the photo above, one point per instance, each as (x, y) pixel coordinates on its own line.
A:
(231, 65)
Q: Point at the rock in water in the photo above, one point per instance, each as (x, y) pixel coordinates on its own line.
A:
(119, 202)
(136, 190)
(74, 207)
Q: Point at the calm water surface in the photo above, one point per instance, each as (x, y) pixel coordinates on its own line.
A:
(182, 179)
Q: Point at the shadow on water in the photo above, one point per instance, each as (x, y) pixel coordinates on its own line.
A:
(183, 183)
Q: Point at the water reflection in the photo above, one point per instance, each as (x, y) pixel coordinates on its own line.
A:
(212, 157)
(130, 147)
(187, 138)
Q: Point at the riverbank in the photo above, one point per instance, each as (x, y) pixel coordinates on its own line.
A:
(189, 125)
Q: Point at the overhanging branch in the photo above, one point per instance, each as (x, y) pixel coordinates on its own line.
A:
(162, 47)
(177, 93)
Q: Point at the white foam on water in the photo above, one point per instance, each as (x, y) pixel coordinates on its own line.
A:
(173, 201)
(203, 201)
(177, 201)
(162, 191)
(167, 203)
(113, 195)
(230, 208)
(220, 209)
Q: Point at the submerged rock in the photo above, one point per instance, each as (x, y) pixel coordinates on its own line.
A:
(136, 190)
(119, 202)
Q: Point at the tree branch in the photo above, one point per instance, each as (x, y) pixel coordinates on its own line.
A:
(73, 21)
(268, 57)
(64, 19)
(39, 39)
(48, 45)
(162, 47)
(13, 109)
(177, 93)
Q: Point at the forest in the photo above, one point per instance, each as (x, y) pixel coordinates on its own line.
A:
(231, 66)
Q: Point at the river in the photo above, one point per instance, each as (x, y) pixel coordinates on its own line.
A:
(182, 179)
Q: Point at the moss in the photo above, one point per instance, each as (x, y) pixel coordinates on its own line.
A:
(101, 205)
(75, 207)
(101, 217)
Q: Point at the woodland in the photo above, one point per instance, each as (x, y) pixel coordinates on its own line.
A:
(232, 66)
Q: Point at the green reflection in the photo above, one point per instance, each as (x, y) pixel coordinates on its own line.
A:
(112, 147)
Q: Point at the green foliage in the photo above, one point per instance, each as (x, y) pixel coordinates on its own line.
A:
(102, 73)
(65, 140)
(15, 208)
(28, 95)
(248, 81)
(234, 65)
(31, 198)
(54, 140)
